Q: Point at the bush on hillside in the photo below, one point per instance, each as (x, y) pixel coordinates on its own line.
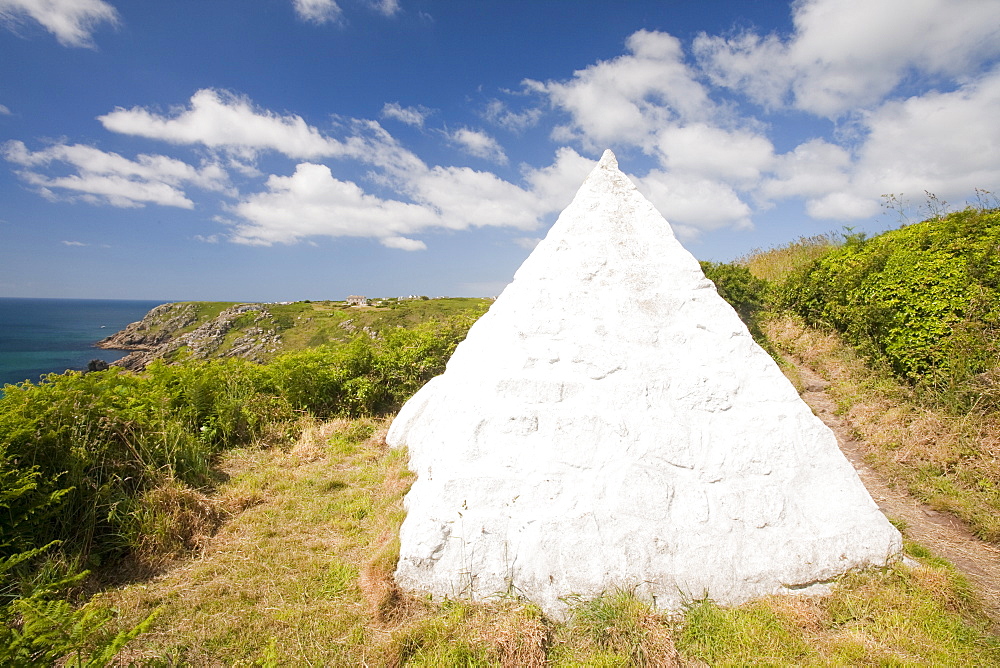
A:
(84, 452)
(924, 299)
(746, 293)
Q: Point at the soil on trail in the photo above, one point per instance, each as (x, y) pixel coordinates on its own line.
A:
(942, 533)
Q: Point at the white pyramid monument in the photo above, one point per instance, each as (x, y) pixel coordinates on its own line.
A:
(610, 423)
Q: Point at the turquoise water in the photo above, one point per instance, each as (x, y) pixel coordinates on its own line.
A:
(39, 336)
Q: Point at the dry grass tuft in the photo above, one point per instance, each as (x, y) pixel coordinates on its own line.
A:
(777, 264)
(174, 520)
(311, 444)
(617, 628)
(386, 603)
(802, 612)
(506, 633)
(516, 633)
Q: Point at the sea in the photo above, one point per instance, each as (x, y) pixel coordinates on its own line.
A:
(40, 336)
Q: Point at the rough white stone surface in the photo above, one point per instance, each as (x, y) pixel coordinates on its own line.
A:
(611, 423)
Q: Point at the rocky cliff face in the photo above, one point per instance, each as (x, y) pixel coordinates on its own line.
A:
(169, 327)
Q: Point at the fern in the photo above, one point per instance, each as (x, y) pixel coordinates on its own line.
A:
(53, 630)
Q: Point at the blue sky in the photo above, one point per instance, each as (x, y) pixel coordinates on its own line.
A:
(311, 149)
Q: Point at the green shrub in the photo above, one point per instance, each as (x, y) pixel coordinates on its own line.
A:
(369, 376)
(746, 293)
(82, 454)
(924, 299)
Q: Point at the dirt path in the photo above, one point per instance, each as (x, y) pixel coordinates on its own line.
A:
(942, 533)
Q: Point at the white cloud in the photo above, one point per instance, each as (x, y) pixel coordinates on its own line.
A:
(298, 206)
(233, 124)
(479, 144)
(109, 178)
(757, 66)
(500, 114)
(629, 98)
(74, 243)
(943, 143)
(372, 144)
(111, 189)
(469, 198)
(651, 99)
(842, 206)
(71, 21)
(328, 11)
(222, 120)
(845, 54)
(311, 202)
(555, 185)
(813, 168)
(844, 57)
(735, 156)
(317, 11)
(693, 204)
(403, 243)
(414, 116)
(946, 143)
(386, 7)
(4, 111)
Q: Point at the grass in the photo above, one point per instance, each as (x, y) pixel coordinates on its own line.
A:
(776, 264)
(300, 574)
(897, 616)
(950, 462)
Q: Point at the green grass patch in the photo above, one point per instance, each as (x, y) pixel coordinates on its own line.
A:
(925, 615)
(302, 574)
(754, 633)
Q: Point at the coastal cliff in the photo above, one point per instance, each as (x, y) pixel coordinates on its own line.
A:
(196, 331)
(259, 331)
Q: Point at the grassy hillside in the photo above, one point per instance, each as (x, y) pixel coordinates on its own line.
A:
(906, 325)
(114, 470)
(310, 324)
(262, 331)
(236, 513)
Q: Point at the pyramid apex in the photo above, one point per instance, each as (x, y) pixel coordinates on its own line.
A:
(608, 160)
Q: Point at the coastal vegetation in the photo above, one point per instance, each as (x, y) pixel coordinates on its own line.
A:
(262, 331)
(905, 326)
(275, 473)
(109, 469)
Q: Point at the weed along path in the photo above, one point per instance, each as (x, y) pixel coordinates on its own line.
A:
(940, 532)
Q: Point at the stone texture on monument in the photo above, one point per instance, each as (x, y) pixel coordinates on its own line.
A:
(611, 423)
